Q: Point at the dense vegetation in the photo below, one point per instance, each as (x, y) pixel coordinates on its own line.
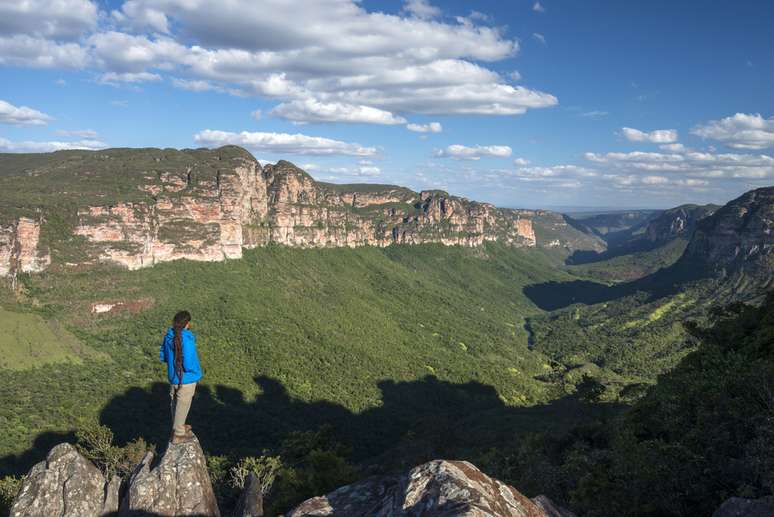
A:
(326, 365)
(703, 433)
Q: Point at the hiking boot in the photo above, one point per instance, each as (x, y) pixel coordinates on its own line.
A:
(180, 438)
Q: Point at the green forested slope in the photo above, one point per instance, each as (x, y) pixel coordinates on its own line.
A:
(320, 325)
(702, 434)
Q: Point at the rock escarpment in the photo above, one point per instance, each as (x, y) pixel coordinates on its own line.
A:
(20, 248)
(680, 221)
(140, 207)
(737, 241)
(438, 488)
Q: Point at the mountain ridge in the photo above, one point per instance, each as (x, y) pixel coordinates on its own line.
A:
(140, 207)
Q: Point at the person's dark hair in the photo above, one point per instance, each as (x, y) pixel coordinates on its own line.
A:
(179, 322)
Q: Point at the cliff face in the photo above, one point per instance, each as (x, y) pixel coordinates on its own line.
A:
(137, 208)
(677, 222)
(20, 249)
(737, 241)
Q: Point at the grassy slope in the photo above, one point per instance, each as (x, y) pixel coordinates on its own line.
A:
(325, 324)
(27, 340)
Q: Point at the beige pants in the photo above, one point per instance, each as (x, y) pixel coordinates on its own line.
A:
(180, 397)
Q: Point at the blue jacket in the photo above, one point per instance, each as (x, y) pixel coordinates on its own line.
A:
(192, 370)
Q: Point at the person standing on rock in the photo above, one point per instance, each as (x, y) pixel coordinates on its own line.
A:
(178, 350)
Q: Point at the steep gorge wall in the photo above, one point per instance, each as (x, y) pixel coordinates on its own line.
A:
(20, 249)
(212, 213)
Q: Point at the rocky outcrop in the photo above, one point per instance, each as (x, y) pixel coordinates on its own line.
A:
(677, 222)
(20, 249)
(250, 503)
(740, 507)
(66, 485)
(438, 488)
(140, 207)
(179, 485)
(737, 241)
(246, 205)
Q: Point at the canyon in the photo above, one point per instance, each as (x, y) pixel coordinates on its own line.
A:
(209, 205)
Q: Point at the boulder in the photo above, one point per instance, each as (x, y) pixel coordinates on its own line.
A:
(741, 507)
(437, 488)
(178, 486)
(65, 484)
(250, 502)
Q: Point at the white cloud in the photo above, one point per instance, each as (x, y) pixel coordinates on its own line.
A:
(193, 85)
(659, 136)
(60, 19)
(120, 104)
(35, 52)
(515, 75)
(22, 115)
(539, 37)
(282, 143)
(740, 131)
(8, 146)
(538, 7)
(461, 152)
(421, 9)
(257, 114)
(690, 163)
(432, 127)
(87, 134)
(521, 162)
(332, 56)
(311, 110)
(673, 148)
(114, 78)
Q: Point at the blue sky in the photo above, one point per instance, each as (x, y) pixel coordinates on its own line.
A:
(520, 103)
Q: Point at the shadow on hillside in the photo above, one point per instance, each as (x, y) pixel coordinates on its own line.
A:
(671, 280)
(417, 421)
(580, 257)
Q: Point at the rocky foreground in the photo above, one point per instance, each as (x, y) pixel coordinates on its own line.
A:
(66, 484)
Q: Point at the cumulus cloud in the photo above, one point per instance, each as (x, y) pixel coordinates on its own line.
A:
(282, 143)
(740, 131)
(659, 136)
(312, 110)
(690, 163)
(333, 60)
(8, 146)
(521, 162)
(432, 127)
(62, 19)
(22, 115)
(36, 52)
(538, 7)
(461, 152)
